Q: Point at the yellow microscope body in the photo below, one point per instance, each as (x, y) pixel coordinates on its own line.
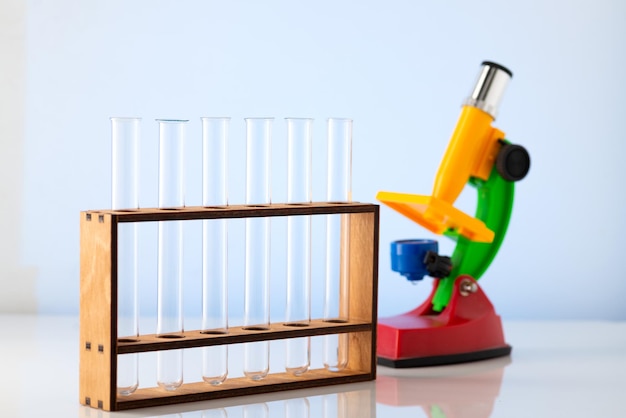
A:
(472, 152)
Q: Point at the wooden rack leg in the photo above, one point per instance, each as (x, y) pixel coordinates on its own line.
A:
(98, 311)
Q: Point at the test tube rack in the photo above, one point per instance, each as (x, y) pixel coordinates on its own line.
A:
(100, 345)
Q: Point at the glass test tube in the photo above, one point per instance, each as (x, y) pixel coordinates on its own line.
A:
(125, 134)
(214, 247)
(299, 135)
(257, 266)
(339, 189)
(170, 252)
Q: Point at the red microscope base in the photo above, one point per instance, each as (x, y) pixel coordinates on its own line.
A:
(468, 329)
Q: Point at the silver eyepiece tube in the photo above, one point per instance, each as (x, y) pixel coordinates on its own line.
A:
(487, 93)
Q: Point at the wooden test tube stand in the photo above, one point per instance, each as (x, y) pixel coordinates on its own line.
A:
(99, 344)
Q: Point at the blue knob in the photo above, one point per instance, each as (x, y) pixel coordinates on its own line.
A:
(407, 257)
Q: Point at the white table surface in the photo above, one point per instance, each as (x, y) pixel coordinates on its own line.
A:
(557, 369)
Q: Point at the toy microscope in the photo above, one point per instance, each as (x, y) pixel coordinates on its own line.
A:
(457, 323)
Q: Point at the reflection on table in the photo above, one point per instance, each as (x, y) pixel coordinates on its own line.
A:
(461, 391)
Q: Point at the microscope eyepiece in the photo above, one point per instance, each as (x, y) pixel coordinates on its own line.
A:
(487, 93)
(498, 66)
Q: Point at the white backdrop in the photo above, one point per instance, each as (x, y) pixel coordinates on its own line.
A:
(400, 69)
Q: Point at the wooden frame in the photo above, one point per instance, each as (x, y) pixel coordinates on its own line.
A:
(99, 343)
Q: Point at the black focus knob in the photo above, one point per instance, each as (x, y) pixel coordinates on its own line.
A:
(438, 266)
(513, 162)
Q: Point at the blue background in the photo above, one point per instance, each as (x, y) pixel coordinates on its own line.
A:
(400, 69)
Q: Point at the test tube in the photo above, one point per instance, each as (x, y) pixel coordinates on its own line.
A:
(257, 265)
(125, 134)
(339, 189)
(214, 248)
(299, 136)
(170, 252)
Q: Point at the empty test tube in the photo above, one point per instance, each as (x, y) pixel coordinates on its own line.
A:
(339, 189)
(299, 136)
(125, 134)
(170, 252)
(214, 247)
(257, 265)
